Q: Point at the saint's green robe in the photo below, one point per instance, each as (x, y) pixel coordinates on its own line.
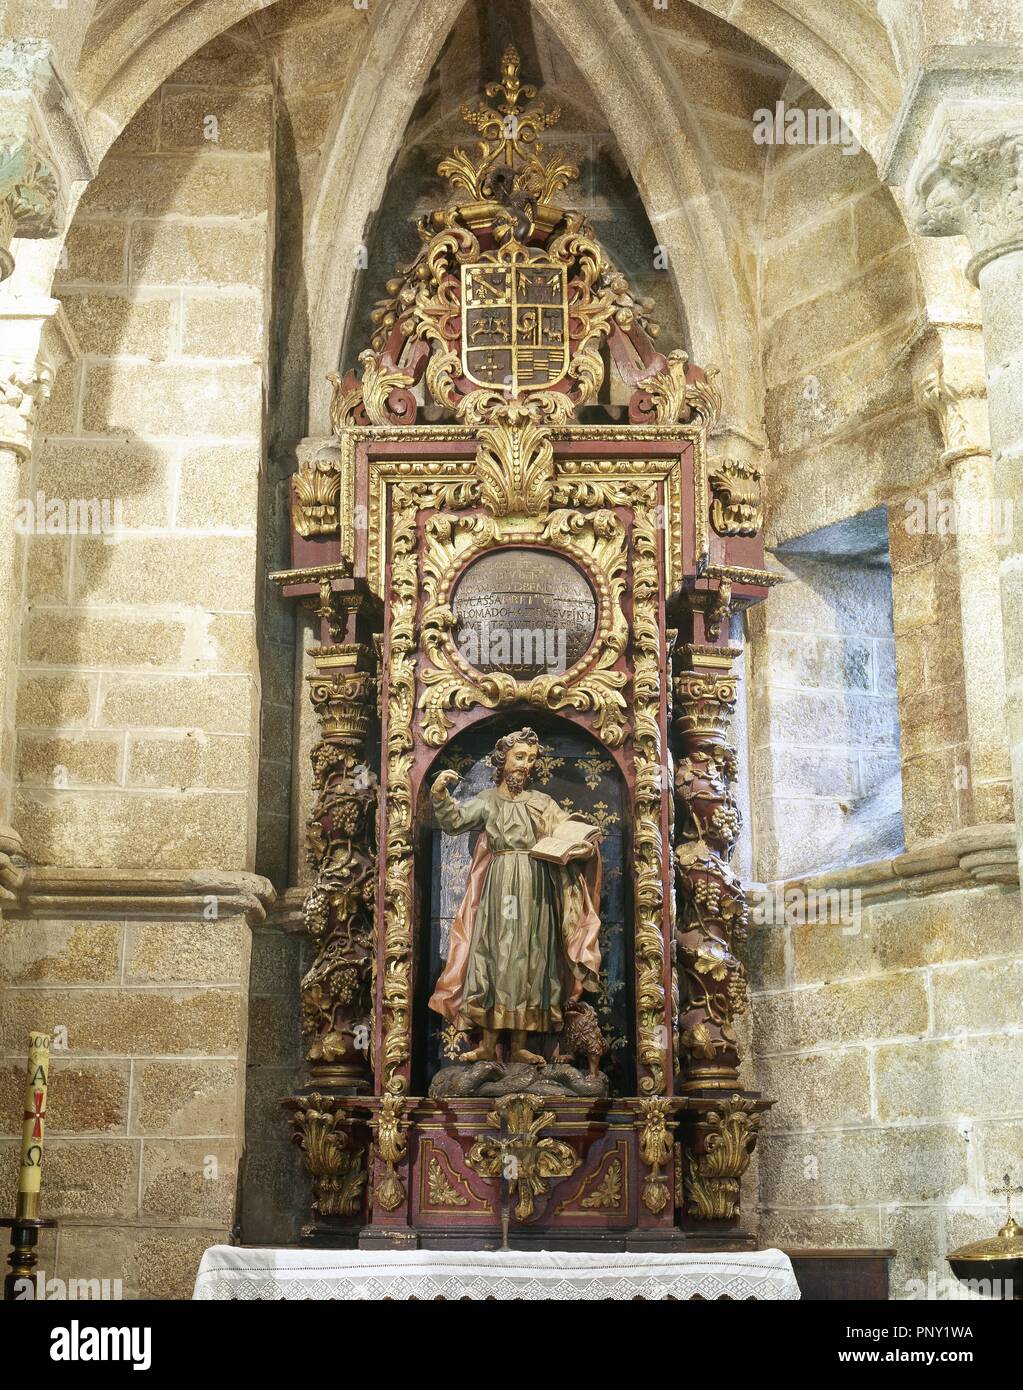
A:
(525, 939)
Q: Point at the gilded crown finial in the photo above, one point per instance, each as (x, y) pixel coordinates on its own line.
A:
(509, 140)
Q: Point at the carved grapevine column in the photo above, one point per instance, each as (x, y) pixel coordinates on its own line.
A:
(720, 1123)
(712, 911)
(336, 991)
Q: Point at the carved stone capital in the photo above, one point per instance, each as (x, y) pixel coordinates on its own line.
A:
(29, 192)
(961, 415)
(22, 390)
(37, 340)
(968, 179)
(43, 145)
(947, 367)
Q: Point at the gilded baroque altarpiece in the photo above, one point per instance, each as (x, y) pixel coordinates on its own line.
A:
(603, 522)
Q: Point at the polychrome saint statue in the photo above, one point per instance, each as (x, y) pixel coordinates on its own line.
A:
(525, 941)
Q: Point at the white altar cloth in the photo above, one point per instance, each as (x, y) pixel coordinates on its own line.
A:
(238, 1272)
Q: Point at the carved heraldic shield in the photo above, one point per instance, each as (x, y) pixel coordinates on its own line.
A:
(515, 321)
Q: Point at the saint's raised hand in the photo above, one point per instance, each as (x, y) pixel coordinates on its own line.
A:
(445, 781)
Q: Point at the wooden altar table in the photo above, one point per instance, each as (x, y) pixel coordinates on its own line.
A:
(237, 1272)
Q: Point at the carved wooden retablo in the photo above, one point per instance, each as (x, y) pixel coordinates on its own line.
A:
(515, 569)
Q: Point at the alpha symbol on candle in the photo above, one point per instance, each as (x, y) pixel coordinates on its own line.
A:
(37, 1113)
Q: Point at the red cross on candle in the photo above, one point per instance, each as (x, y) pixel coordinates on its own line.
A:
(38, 1113)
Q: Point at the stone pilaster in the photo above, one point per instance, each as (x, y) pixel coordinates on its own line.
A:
(967, 180)
(947, 364)
(35, 340)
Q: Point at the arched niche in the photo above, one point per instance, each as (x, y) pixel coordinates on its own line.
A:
(582, 776)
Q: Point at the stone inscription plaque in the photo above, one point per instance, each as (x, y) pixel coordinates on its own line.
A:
(524, 612)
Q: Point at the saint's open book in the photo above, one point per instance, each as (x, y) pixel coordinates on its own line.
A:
(570, 835)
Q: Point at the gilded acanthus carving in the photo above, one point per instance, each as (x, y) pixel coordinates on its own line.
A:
(515, 465)
(716, 1155)
(509, 141)
(648, 761)
(442, 1191)
(391, 1145)
(675, 392)
(666, 389)
(737, 507)
(518, 1152)
(719, 610)
(606, 1195)
(712, 911)
(317, 489)
(323, 1130)
(395, 986)
(655, 1147)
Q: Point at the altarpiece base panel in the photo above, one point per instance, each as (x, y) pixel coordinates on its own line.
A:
(505, 599)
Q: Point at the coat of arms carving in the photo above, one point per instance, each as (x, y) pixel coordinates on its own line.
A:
(515, 320)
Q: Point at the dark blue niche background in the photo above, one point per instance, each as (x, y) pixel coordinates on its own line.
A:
(582, 778)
